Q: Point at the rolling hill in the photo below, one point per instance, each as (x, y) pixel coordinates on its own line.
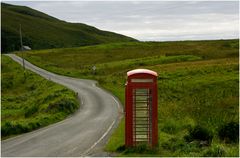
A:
(41, 31)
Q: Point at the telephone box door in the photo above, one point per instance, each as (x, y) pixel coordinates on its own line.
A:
(142, 112)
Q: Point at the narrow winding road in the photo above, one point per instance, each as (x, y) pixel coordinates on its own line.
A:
(83, 134)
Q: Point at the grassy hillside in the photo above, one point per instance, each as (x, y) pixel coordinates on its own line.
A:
(198, 87)
(120, 57)
(42, 31)
(30, 102)
(197, 100)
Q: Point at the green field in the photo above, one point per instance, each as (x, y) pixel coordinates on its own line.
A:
(29, 101)
(41, 31)
(198, 87)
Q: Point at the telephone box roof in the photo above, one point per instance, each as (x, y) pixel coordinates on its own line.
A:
(141, 71)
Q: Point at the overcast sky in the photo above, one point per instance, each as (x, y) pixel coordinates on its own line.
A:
(150, 21)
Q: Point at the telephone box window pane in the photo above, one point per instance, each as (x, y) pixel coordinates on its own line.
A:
(142, 115)
(141, 80)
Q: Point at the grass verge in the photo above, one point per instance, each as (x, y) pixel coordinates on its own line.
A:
(29, 102)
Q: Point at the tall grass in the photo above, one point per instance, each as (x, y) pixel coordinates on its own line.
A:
(197, 84)
(29, 102)
(192, 94)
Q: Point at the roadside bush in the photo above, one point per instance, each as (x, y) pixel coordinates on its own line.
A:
(121, 148)
(31, 110)
(50, 97)
(101, 80)
(199, 133)
(6, 128)
(20, 128)
(9, 128)
(33, 125)
(64, 105)
(229, 132)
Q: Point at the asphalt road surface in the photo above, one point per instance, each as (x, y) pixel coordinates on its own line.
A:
(82, 134)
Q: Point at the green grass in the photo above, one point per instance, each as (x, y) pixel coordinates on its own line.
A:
(201, 93)
(29, 102)
(41, 31)
(114, 58)
(198, 88)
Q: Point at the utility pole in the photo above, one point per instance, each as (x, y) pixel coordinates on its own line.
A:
(23, 62)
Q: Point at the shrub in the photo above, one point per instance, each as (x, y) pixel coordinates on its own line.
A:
(51, 97)
(31, 110)
(64, 105)
(6, 128)
(121, 148)
(9, 128)
(199, 133)
(20, 128)
(229, 132)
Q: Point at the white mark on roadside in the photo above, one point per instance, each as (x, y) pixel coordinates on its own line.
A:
(110, 127)
(88, 150)
(81, 98)
(118, 105)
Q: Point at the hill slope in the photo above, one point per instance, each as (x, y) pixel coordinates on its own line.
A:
(42, 31)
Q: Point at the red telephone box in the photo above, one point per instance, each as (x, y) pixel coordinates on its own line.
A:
(141, 120)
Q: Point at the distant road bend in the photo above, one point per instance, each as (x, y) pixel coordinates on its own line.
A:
(82, 134)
